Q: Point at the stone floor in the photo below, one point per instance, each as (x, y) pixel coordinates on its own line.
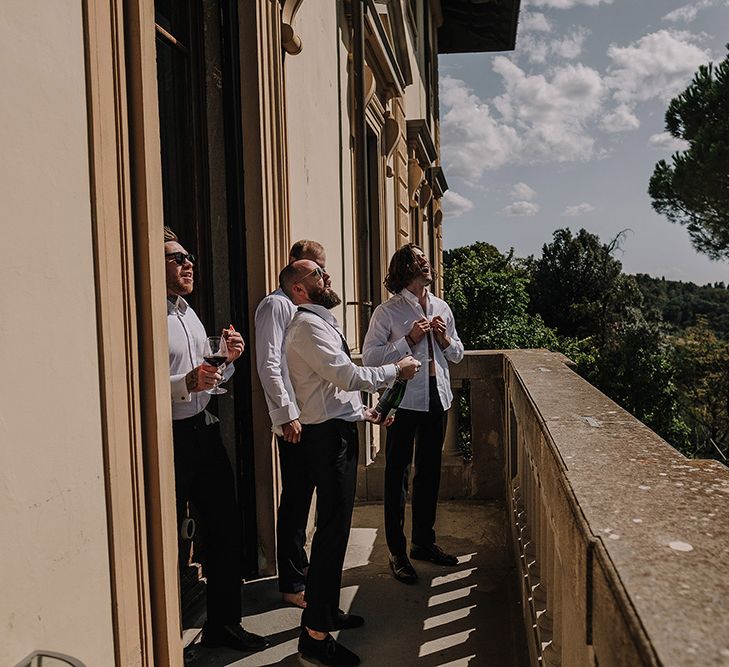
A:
(453, 617)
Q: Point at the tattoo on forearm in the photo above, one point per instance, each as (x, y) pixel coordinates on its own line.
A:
(191, 380)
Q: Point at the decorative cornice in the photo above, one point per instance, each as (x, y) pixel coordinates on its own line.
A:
(437, 180)
(421, 141)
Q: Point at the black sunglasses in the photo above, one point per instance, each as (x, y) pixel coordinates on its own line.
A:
(318, 271)
(181, 257)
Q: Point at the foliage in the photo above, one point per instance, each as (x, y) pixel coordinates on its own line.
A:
(694, 189)
(487, 291)
(681, 304)
(635, 369)
(488, 295)
(702, 359)
(579, 287)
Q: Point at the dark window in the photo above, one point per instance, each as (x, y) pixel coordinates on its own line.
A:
(198, 73)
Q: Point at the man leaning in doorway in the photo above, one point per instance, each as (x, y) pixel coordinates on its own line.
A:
(273, 315)
(414, 321)
(327, 385)
(203, 473)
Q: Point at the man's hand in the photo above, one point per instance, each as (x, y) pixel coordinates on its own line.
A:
(234, 342)
(420, 328)
(374, 417)
(201, 378)
(438, 326)
(408, 367)
(292, 431)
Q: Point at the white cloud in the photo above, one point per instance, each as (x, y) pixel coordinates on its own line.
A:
(473, 140)
(523, 191)
(687, 13)
(521, 209)
(658, 65)
(563, 4)
(533, 22)
(665, 141)
(455, 205)
(550, 113)
(537, 48)
(570, 46)
(578, 210)
(621, 119)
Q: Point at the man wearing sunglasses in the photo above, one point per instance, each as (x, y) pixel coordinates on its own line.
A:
(203, 474)
(273, 315)
(328, 385)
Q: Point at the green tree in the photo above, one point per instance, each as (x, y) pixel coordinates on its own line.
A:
(694, 189)
(702, 359)
(487, 291)
(488, 295)
(579, 288)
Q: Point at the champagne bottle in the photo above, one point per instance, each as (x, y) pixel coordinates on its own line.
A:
(390, 400)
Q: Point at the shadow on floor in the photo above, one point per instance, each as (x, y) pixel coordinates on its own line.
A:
(467, 615)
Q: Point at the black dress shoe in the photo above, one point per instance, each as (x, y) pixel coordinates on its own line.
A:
(432, 553)
(327, 651)
(403, 569)
(232, 636)
(345, 621)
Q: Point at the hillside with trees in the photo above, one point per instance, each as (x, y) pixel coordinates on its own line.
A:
(658, 348)
(682, 304)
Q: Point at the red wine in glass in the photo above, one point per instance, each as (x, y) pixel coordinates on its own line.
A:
(215, 354)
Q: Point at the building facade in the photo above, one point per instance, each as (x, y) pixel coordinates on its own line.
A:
(244, 125)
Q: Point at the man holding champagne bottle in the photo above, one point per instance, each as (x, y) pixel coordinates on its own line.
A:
(203, 473)
(414, 321)
(327, 386)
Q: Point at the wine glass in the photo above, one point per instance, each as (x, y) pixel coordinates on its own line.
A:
(215, 354)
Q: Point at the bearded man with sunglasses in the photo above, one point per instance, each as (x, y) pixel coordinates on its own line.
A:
(327, 385)
(203, 474)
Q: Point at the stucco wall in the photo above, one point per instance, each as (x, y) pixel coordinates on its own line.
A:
(320, 169)
(54, 578)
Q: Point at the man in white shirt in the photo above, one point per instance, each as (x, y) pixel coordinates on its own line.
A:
(273, 315)
(203, 474)
(327, 385)
(414, 321)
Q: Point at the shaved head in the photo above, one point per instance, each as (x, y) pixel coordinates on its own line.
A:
(304, 281)
(294, 273)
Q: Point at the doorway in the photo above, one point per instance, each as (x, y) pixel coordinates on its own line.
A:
(198, 74)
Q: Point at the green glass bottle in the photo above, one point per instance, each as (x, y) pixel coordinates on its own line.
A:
(390, 400)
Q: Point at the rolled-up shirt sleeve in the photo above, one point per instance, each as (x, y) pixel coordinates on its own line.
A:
(378, 349)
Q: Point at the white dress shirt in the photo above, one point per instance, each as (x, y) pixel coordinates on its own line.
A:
(186, 337)
(272, 317)
(326, 381)
(385, 342)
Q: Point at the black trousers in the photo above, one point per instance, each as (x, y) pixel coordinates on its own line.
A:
(204, 476)
(297, 487)
(332, 449)
(425, 431)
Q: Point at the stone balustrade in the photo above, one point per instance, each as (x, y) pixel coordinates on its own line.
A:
(622, 543)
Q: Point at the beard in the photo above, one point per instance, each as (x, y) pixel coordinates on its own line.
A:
(325, 296)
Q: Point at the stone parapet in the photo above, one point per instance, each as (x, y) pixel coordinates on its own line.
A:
(621, 539)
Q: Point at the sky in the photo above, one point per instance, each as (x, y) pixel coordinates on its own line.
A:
(565, 130)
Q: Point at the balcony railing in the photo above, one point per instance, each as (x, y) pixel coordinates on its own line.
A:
(621, 542)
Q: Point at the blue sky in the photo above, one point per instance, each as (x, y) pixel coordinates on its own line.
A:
(565, 130)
